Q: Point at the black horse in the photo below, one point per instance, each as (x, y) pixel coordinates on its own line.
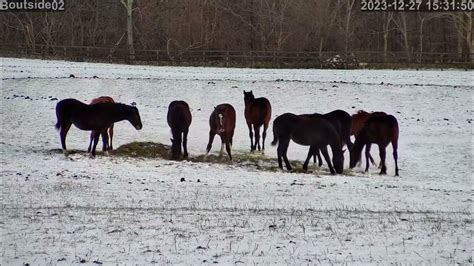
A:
(310, 131)
(179, 119)
(222, 123)
(342, 123)
(380, 130)
(258, 112)
(98, 117)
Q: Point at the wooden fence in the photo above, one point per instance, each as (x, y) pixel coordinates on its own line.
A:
(275, 59)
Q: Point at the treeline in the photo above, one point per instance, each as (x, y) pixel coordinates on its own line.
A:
(244, 25)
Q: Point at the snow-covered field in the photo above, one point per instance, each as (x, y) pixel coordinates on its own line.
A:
(75, 209)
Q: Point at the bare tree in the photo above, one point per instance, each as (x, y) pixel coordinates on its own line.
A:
(128, 5)
(463, 24)
(402, 26)
(387, 21)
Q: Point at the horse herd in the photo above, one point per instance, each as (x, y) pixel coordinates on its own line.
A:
(318, 131)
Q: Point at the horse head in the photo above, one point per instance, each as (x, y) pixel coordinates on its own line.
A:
(134, 118)
(248, 96)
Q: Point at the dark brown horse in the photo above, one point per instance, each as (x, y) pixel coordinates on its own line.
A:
(342, 123)
(179, 119)
(106, 136)
(222, 123)
(98, 117)
(380, 130)
(358, 122)
(309, 131)
(258, 112)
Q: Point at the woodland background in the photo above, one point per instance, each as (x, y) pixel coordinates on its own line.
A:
(216, 30)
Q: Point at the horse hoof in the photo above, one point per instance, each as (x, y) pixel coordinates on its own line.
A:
(106, 153)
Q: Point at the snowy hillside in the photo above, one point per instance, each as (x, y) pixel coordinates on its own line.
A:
(64, 210)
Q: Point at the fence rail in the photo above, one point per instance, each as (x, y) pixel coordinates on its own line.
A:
(238, 58)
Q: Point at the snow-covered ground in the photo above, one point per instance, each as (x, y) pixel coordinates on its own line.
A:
(113, 209)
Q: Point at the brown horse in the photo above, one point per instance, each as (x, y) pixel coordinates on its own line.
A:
(222, 123)
(258, 112)
(97, 117)
(358, 122)
(179, 119)
(380, 130)
(106, 136)
(310, 131)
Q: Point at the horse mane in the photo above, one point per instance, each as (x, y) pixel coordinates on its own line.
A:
(361, 112)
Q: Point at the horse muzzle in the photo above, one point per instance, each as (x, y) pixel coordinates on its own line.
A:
(138, 127)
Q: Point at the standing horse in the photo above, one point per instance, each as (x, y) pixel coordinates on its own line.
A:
(342, 123)
(107, 136)
(258, 112)
(98, 117)
(358, 122)
(179, 119)
(222, 123)
(309, 131)
(380, 130)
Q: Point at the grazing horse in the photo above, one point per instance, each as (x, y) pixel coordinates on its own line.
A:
(358, 122)
(97, 117)
(310, 131)
(179, 118)
(380, 130)
(106, 136)
(258, 112)
(342, 123)
(222, 123)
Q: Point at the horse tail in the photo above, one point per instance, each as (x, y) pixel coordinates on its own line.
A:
(396, 130)
(275, 139)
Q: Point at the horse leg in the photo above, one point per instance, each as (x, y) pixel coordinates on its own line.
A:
(367, 156)
(105, 141)
(264, 135)
(285, 157)
(91, 141)
(324, 151)
(249, 125)
(211, 139)
(256, 129)
(185, 144)
(319, 158)
(64, 129)
(395, 155)
(227, 147)
(96, 140)
(223, 142)
(382, 152)
(316, 154)
(111, 134)
(372, 160)
(306, 162)
(281, 150)
(279, 156)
